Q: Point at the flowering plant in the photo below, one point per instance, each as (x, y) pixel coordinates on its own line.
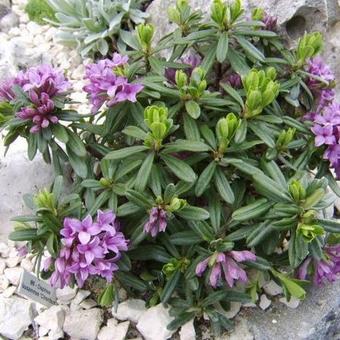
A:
(216, 160)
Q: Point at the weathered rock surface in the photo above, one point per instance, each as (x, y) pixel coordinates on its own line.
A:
(114, 330)
(131, 309)
(153, 323)
(83, 324)
(16, 315)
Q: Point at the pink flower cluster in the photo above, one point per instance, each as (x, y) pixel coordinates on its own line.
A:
(157, 221)
(89, 248)
(227, 264)
(41, 84)
(326, 119)
(327, 269)
(108, 86)
(325, 94)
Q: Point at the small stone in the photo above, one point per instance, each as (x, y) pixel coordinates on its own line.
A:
(187, 331)
(9, 291)
(114, 331)
(52, 318)
(27, 265)
(16, 314)
(2, 266)
(131, 309)
(8, 21)
(153, 323)
(66, 294)
(88, 303)
(4, 283)
(55, 335)
(234, 309)
(264, 302)
(122, 294)
(4, 249)
(83, 324)
(272, 288)
(81, 296)
(12, 262)
(292, 303)
(13, 275)
(42, 331)
(274, 321)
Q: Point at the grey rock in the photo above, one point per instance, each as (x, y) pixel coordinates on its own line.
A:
(8, 21)
(16, 315)
(114, 330)
(52, 318)
(83, 324)
(14, 184)
(187, 331)
(131, 309)
(153, 323)
(310, 320)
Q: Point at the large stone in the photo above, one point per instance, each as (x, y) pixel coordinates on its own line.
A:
(19, 176)
(153, 323)
(114, 330)
(131, 309)
(16, 315)
(187, 331)
(13, 275)
(52, 318)
(83, 324)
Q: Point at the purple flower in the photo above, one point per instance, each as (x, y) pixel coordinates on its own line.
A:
(270, 22)
(41, 84)
(157, 221)
(324, 94)
(90, 248)
(226, 264)
(23, 251)
(234, 80)
(324, 135)
(107, 85)
(325, 269)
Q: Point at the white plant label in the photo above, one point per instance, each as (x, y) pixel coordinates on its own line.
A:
(33, 288)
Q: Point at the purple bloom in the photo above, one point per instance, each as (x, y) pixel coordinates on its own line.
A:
(108, 86)
(234, 80)
(157, 221)
(325, 94)
(226, 264)
(270, 22)
(23, 251)
(324, 135)
(326, 269)
(90, 248)
(42, 84)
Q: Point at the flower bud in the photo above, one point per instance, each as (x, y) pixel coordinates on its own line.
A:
(257, 14)
(297, 190)
(271, 73)
(310, 232)
(145, 34)
(105, 182)
(309, 45)
(174, 15)
(45, 199)
(176, 204)
(181, 79)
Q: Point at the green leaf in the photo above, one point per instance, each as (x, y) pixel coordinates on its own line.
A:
(130, 280)
(60, 133)
(91, 184)
(186, 145)
(252, 210)
(100, 202)
(222, 47)
(185, 238)
(193, 213)
(181, 169)
(126, 152)
(193, 109)
(170, 286)
(23, 235)
(273, 170)
(262, 134)
(208, 135)
(250, 49)
(205, 178)
(332, 226)
(209, 59)
(233, 93)
(127, 209)
(58, 187)
(139, 199)
(107, 296)
(241, 132)
(238, 62)
(150, 253)
(134, 131)
(79, 165)
(190, 128)
(75, 144)
(223, 186)
(259, 234)
(144, 172)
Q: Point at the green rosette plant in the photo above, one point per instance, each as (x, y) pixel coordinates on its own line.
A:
(216, 150)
